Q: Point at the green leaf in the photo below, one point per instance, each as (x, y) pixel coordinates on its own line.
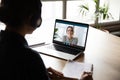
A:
(84, 9)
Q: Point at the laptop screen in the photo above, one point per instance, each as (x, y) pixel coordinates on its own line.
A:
(71, 34)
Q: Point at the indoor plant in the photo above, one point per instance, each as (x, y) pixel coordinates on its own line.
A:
(101, 12)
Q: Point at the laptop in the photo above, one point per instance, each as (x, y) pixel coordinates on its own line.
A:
(68, 42)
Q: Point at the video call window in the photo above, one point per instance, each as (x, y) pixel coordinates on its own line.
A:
(70, 34)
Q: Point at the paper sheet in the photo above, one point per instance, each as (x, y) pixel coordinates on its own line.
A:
(74, 69)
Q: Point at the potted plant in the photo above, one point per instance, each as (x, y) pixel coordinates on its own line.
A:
(55, 33)
(101, 12)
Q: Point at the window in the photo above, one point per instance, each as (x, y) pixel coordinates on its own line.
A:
(69, 9)
(73, 10)
(51, 10)
(114, 9)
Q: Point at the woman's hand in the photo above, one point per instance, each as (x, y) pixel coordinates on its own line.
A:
(86, 76)
(54, 74)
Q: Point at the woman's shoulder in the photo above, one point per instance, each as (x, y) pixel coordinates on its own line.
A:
(31, 53)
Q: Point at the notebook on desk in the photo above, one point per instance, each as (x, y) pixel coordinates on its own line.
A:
(73, 69)
(69, 40)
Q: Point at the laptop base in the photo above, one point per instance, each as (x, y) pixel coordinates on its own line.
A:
(55, 53)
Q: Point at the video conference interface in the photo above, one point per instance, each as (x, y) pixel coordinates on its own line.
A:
(70, 33)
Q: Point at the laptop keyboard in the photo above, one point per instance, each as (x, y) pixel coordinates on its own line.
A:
(64, 49)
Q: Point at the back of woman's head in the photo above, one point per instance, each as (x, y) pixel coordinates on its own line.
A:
(15, 12)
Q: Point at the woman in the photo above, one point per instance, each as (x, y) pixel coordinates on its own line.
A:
(17, 60)
(69, 39)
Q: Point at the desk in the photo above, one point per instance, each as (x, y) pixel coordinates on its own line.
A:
(102, 50)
